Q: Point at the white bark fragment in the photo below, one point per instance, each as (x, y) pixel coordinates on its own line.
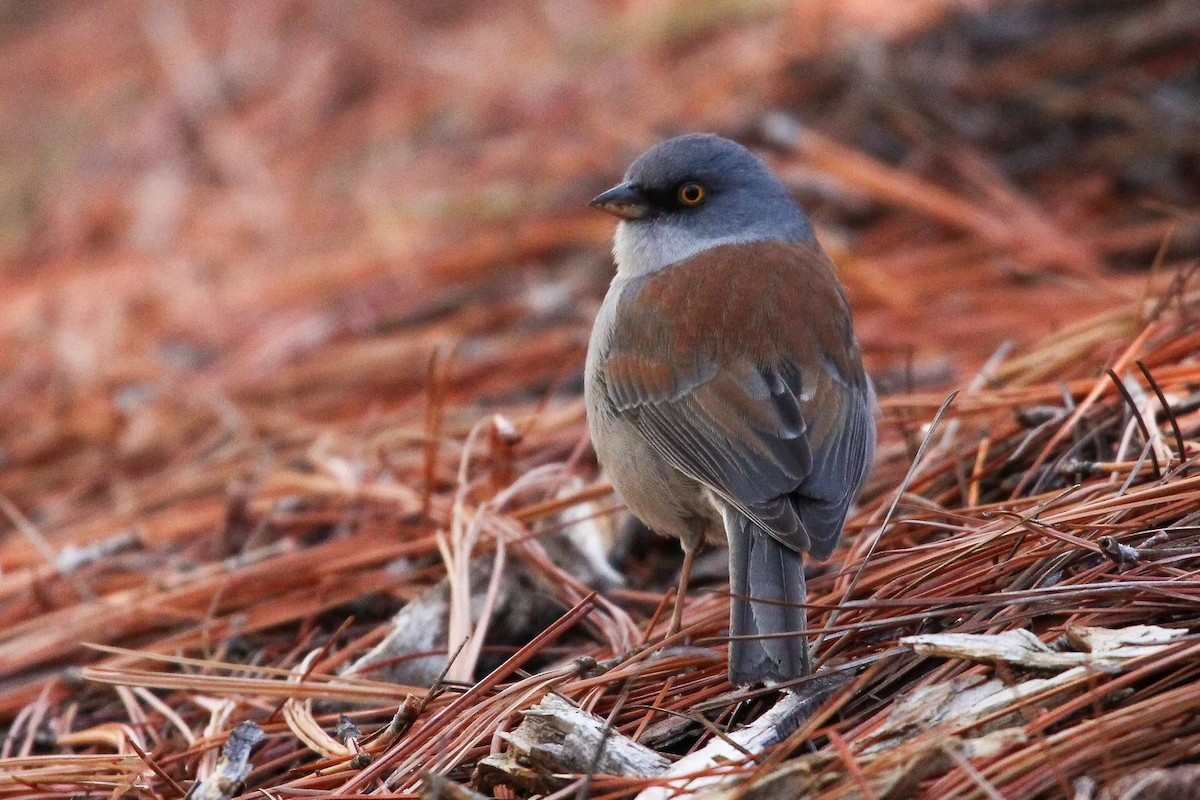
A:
(1103, 648)
(721, 759)
(557, 740)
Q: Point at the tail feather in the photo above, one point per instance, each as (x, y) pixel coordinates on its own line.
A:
(767, 585)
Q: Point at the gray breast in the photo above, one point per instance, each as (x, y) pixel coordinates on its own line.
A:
(666, 500)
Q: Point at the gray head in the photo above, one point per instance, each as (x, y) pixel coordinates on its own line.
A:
(694, 192)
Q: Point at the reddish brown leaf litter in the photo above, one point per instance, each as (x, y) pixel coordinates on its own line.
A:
(295, 299)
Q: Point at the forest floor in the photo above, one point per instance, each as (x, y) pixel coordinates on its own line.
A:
(294, 299)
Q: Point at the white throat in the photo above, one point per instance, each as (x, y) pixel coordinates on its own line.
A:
(641, 248)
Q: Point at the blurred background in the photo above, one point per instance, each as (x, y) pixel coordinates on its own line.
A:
(265, 266)
(245, 242)
(213, 204)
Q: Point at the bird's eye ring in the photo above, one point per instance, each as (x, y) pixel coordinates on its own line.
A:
(692, 194)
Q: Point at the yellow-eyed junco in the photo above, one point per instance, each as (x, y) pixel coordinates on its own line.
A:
(725, 391)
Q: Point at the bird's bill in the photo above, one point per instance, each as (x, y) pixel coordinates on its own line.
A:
(625, 200)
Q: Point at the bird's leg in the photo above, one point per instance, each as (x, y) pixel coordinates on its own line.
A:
(685, 572)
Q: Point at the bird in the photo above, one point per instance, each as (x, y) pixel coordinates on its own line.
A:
(726, 396)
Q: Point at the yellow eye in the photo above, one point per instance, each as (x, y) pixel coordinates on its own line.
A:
(692, 194)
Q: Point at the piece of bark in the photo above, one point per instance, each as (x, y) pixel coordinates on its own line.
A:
(1175, 783)
(555, 741)
(893, 775)
(715, 763)
(1103, 647)
(233, 766)
(955, 703)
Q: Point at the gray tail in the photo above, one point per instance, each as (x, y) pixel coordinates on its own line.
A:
(767, 621)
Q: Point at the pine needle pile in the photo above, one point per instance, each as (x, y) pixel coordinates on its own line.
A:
(296, 497)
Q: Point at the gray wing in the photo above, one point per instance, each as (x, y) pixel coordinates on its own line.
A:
(742, 433)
